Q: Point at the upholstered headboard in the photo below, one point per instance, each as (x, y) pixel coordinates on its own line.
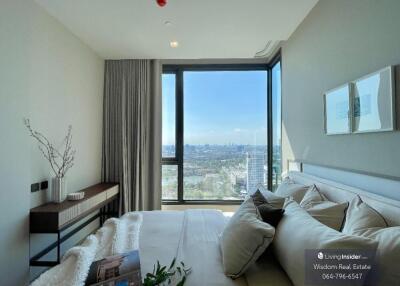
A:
(382, 193)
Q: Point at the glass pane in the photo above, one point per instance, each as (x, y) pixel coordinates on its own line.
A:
(373, 102)
(169, 182)
(276, 126)
(224, 134)
(168, 115)
(337, 108)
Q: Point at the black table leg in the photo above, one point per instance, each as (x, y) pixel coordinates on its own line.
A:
(58, 246)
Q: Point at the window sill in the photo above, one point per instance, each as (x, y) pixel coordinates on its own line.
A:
(202, 202)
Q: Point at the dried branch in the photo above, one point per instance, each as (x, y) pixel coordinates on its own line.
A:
(47, 156)
(60, 162)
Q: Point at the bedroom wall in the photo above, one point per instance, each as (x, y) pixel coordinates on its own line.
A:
(48, 75)
(337, 42)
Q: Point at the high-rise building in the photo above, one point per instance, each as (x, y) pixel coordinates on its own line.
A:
(255, 170)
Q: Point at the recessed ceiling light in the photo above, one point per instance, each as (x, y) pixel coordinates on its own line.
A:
(174, 44)
(168, 23)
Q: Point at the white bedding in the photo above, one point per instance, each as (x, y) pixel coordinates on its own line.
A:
(191, 236)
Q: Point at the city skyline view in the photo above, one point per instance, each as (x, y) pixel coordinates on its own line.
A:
(225, 152)
(223, 107)
(220, 172)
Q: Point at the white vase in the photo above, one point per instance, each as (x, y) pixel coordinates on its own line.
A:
(59, 189)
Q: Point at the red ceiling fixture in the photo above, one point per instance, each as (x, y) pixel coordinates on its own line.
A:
(161, 3)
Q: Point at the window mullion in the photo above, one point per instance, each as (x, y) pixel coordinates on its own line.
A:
(179, 130)
(269, 130)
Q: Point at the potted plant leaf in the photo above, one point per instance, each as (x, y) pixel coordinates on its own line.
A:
(162, 276)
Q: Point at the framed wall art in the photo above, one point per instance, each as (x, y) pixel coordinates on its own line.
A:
(337, 104)
(374, 102)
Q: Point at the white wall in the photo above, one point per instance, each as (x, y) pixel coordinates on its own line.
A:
(337, 42)
(51, 77)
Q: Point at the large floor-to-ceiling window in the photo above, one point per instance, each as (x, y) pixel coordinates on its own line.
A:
(217, 131)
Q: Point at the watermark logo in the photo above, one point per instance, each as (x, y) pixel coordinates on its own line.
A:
(354, 267)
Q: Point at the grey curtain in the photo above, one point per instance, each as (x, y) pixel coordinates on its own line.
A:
(132, 132)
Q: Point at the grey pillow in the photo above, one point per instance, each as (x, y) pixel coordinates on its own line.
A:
(273, 199)
(268, 213)
(288, 188)
(363, 220)
(387, 254)
(244, 239)
(319, 207)
(361, 216)
(298, 231)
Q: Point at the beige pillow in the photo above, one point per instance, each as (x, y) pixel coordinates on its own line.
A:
(298, 231)
(360, 216)
(363, 220)
(288, 188)
(312, 196)
(244, 239)
(319, 207)
(388, 253)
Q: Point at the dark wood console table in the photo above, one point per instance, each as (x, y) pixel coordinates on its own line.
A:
(55, 218)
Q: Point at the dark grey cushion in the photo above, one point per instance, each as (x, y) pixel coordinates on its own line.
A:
(269, 214)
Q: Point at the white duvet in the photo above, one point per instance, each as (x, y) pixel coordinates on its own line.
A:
(193, 237)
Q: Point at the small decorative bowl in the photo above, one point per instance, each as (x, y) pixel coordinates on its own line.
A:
(75, 196)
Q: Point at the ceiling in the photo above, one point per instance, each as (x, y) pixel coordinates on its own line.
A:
(118, 29)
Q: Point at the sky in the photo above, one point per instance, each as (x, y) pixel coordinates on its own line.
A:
(220, 107)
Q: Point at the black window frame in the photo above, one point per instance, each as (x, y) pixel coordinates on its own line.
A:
(177, 160)
(277, 59)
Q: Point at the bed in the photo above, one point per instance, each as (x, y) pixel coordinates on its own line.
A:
(199, 242)
(193, 235)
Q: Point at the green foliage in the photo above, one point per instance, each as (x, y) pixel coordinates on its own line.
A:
(163, 276)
